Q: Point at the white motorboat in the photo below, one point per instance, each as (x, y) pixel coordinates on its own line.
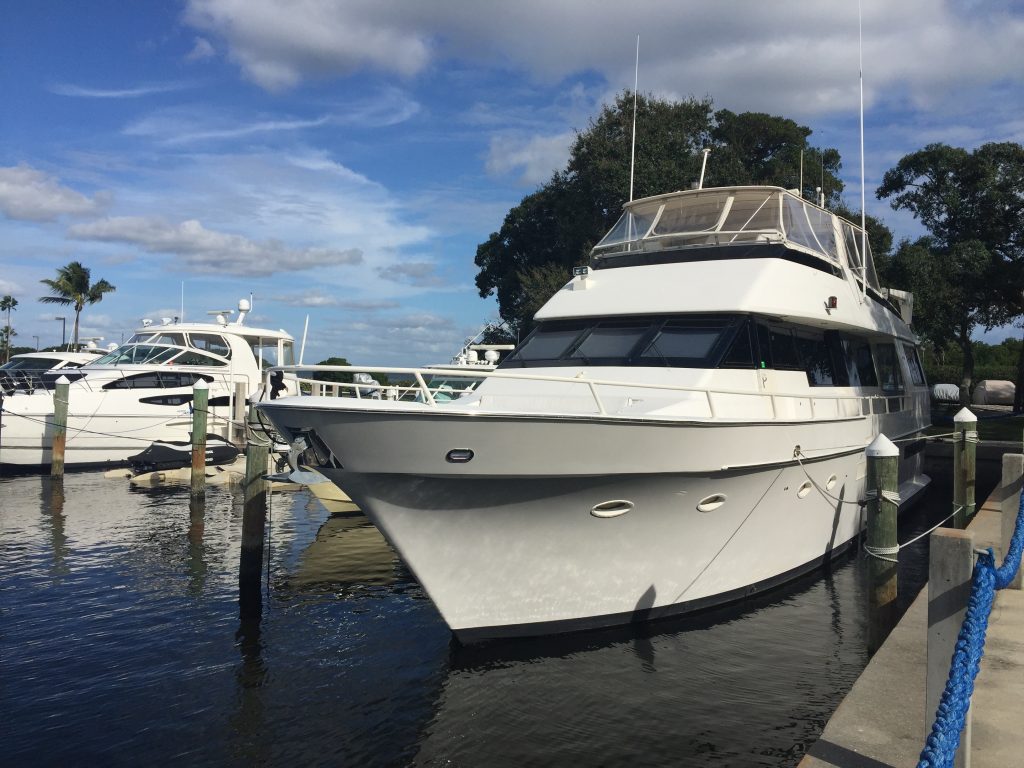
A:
(26, 372)
(141, 391)
(685, 426)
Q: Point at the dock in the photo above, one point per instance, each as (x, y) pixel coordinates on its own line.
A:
(882, 721)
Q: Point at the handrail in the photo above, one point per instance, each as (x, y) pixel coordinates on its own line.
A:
(591, 385)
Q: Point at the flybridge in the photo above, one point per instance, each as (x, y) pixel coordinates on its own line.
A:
(734, 219)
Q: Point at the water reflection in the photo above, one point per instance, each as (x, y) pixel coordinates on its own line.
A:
(51, 499)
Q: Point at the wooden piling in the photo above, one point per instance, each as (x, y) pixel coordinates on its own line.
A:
(60, 426)
(200, 398)
(1010, 488)
(254, 519)
(965, 449)
(883, 486)
(950, 566)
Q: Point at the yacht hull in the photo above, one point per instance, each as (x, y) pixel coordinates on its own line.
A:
(589, 523)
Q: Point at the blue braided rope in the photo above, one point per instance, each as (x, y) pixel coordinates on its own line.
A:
(944, 739)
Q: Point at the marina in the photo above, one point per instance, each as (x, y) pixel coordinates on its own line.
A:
(124, 642)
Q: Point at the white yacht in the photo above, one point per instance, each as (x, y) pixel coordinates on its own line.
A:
(141, 391)
(26, 372)
(685, 426)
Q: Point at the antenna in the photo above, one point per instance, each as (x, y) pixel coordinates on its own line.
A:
(801, 174)
(703, 165)
(302, 349)
(863, 211)
(182, 315)
(636, 84)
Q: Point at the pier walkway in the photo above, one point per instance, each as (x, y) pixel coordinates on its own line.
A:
(882, 723)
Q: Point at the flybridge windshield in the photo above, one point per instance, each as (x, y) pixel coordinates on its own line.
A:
(722, 217)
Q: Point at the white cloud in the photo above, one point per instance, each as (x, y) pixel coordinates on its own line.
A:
(32, 195)
(536, 157)
(788, 57)
(7, 288)
(420, 274)
(68, 89)
(202, 49)
(278, 44)
(173, 127)
(210, 252)
(316, 298)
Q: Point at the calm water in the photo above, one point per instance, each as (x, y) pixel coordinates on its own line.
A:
(121, 643)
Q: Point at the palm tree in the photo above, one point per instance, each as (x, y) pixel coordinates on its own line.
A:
(72, 288)
(7, 303)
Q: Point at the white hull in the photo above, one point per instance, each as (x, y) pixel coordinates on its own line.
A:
(511, 547)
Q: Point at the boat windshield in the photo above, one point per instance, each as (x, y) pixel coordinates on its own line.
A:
(153, 354)
(271, 351)
(719, 217)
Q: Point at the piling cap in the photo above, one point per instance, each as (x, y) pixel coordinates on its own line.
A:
(201, 384)
(881, 448)
(63, 380)
(964, 414)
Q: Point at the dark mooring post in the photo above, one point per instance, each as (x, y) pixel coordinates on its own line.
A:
(254, 519)
(883, 500)
(60, 426)
(965, 449)
(200, 397)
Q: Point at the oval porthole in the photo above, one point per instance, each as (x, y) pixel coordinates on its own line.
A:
(612, 508)
(711, 503)
(831, 482)
(804, 489)
(459, 456)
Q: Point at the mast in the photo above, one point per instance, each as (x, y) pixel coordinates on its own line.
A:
(863, 211)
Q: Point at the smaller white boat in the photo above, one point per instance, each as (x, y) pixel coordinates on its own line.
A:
(27, 372)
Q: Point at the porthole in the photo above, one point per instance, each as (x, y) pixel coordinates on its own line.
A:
(612, 508)
(459, 456)
(711, 503)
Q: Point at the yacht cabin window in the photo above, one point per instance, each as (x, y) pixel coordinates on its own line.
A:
(157, 380)
(271, 352)
(137, 354)
(914, 364)
(210, 342)
(888, 368)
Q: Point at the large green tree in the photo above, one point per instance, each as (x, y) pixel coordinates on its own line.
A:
(972, 205)
(73, 287)
(555, 227)
(7, 303)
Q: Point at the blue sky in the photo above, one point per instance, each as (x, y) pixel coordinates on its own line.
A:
(344, 159)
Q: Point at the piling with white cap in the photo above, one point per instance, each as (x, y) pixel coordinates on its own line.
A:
(200, 401)
(60, 426)
(882, 487)
(965, 450)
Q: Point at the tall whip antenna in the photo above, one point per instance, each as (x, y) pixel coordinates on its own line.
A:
(636, 84)
(863, 210)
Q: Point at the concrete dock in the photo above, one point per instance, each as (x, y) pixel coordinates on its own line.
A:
(882, 723)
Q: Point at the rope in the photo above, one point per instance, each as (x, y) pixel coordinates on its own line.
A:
(944, 739)
(124, 434)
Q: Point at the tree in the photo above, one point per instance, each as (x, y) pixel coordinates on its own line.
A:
(555, 227)
(972, 205)
(7, 303)
(72, 287)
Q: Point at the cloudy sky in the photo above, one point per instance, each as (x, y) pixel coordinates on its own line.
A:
(342, 159)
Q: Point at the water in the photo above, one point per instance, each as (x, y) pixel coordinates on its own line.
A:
(122, 643)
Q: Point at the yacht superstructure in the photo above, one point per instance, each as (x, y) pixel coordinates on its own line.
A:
(685, 426)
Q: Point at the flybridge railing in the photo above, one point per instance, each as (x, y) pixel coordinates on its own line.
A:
(417, 385)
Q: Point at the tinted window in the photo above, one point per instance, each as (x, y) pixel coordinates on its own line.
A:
(888, 368)
(685, 339)
(914, 363)
(817, 361)
(177, 339)
(740, 353)
(611, 340)
(784, 354)
(196, 358)
(859, 365)
(548, 342)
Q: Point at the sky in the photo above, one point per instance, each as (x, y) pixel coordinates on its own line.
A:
(342, 159)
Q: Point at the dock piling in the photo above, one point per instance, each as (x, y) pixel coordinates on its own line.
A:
(1010, 488)
(965, 449)
(200, 398)
(950, 566)
(883, 501)
(254, 518)
(60, 426)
